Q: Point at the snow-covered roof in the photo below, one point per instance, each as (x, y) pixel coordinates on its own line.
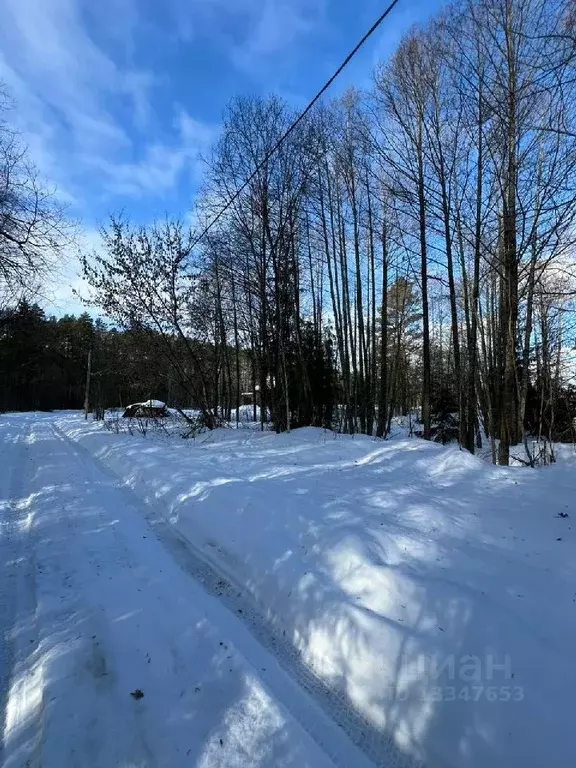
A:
(149, 404)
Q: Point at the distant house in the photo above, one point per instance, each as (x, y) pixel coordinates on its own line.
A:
(149, 409)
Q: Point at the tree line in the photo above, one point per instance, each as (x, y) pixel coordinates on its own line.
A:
(408, 247)
(44, 360)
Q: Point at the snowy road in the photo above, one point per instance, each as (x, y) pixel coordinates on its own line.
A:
(94, 606)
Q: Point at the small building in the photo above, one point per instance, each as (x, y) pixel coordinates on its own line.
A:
(250, 398)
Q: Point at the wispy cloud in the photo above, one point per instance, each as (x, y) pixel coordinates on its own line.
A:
(250, 30)
(162, 164)
(279, 23)
(55, 67)
(83, 109)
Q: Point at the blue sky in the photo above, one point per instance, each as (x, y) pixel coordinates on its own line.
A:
(119, 99)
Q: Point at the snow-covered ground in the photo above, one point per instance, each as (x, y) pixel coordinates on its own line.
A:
(412, 599)
(117, 646)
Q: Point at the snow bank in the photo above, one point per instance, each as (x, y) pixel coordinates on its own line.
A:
(246, 415)
(434, 593)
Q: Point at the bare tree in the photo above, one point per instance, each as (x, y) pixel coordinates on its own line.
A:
(33, 228)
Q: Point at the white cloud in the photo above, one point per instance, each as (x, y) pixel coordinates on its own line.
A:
(260, 28)
(162, 164)
(280, 22)
(137, 85)
(89, 119)
(86, 113)
(62, 298)
(56, 69)
(70, 92)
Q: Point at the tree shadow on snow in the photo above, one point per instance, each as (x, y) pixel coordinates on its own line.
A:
(399, 596)
(81, 640)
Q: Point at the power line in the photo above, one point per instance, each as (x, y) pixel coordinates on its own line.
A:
(296, 122)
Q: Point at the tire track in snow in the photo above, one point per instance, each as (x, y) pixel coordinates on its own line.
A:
(21, 706)
(346, 723)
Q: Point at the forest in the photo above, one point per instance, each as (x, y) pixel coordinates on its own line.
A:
(408, 247)
(43, 363)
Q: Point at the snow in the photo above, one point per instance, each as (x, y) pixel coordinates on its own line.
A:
(148, 404)
(245, 415)
(97, 603)
(416, 597)
(153, 404)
